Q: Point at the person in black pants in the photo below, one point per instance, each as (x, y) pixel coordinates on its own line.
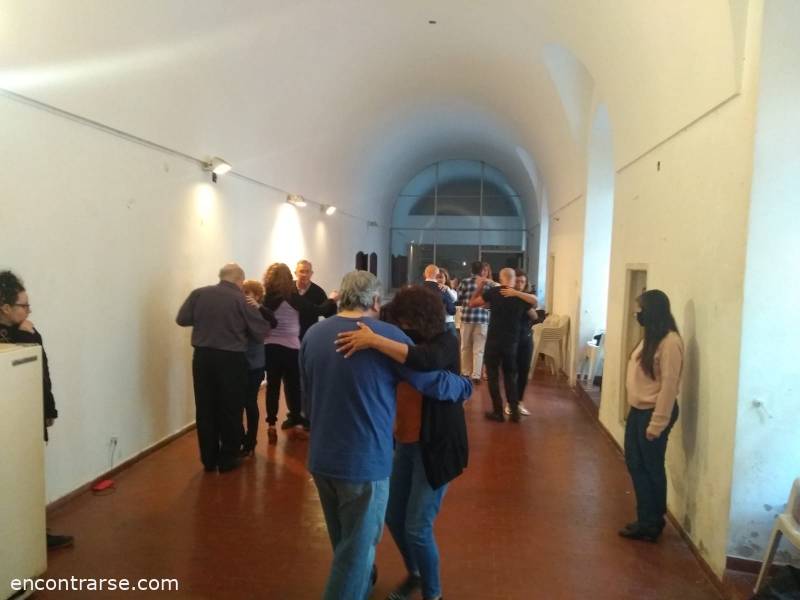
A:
(525, 343)
(255, 375)
(282, 346)
(502, 339)
(15, 328)
(222, 322)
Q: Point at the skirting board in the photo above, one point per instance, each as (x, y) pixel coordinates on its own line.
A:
(56, 504)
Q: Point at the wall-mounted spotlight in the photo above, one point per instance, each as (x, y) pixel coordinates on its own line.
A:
(296, 200)
(328, 209)
(217, 166)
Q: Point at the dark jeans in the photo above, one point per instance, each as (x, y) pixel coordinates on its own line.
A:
(645, 460)
(220, 380)
(524, 357)
(503, 355)
(283, 365)
(254, 379)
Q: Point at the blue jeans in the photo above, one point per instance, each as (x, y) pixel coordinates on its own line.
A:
(354, 514)
(413, 506)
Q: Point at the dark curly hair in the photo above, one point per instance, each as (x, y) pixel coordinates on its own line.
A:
(10, 287)
(416, 307)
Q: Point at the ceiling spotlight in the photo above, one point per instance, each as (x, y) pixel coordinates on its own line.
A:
(296, 200)
(328, 209)
(217, 166)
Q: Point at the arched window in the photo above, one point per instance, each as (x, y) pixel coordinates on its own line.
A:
(373, 263)
(362, 261)
(453, 213)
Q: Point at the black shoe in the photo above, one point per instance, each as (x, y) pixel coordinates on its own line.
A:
(59, 541)
(406, 589)
(516, 416)
(229, 466)
(290, 423)
(641, 532)
(248, 449)
(632, 526)
(494, 416)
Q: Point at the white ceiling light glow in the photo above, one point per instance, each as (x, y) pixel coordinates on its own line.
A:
(328, 209)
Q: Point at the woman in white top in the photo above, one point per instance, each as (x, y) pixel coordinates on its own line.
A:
(653, 380)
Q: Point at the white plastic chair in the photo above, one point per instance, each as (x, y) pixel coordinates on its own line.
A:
(787, 524)
(549, 338)
(594, 353)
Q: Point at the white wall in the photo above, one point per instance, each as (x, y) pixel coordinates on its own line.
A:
(688, 223)
(767, 436)
(110, 237)
(597, 231)
(566, 244)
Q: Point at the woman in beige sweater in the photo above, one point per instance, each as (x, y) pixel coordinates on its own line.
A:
(653, 381)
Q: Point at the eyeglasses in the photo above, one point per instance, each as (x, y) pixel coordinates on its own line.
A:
(25, 306)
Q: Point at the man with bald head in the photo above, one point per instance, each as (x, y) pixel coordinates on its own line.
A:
(318, 305)
(223, 321)
(431, 271)
(508, 306)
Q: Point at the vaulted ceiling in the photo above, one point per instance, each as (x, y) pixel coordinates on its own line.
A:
(345, 101)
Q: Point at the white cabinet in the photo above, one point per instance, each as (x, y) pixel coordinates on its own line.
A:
(23, 549)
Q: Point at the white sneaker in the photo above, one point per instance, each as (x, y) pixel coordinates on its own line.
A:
(522, 410)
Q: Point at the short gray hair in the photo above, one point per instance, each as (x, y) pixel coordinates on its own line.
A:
(231, 272)
(358, 290)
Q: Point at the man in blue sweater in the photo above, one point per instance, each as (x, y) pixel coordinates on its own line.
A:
(351, 405)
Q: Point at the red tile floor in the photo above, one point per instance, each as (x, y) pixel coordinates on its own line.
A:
(534, 517)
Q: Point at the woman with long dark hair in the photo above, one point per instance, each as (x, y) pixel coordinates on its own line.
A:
(652, 383)
(431, 436)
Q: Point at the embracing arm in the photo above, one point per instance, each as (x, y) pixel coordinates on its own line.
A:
(529, 298)
(440, 385)
(350, 342)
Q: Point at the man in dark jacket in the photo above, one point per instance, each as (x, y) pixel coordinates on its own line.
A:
(223, 322)
(15, 328)
(431, 271)
(313, 294)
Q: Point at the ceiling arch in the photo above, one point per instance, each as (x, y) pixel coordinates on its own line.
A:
(344, 102)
